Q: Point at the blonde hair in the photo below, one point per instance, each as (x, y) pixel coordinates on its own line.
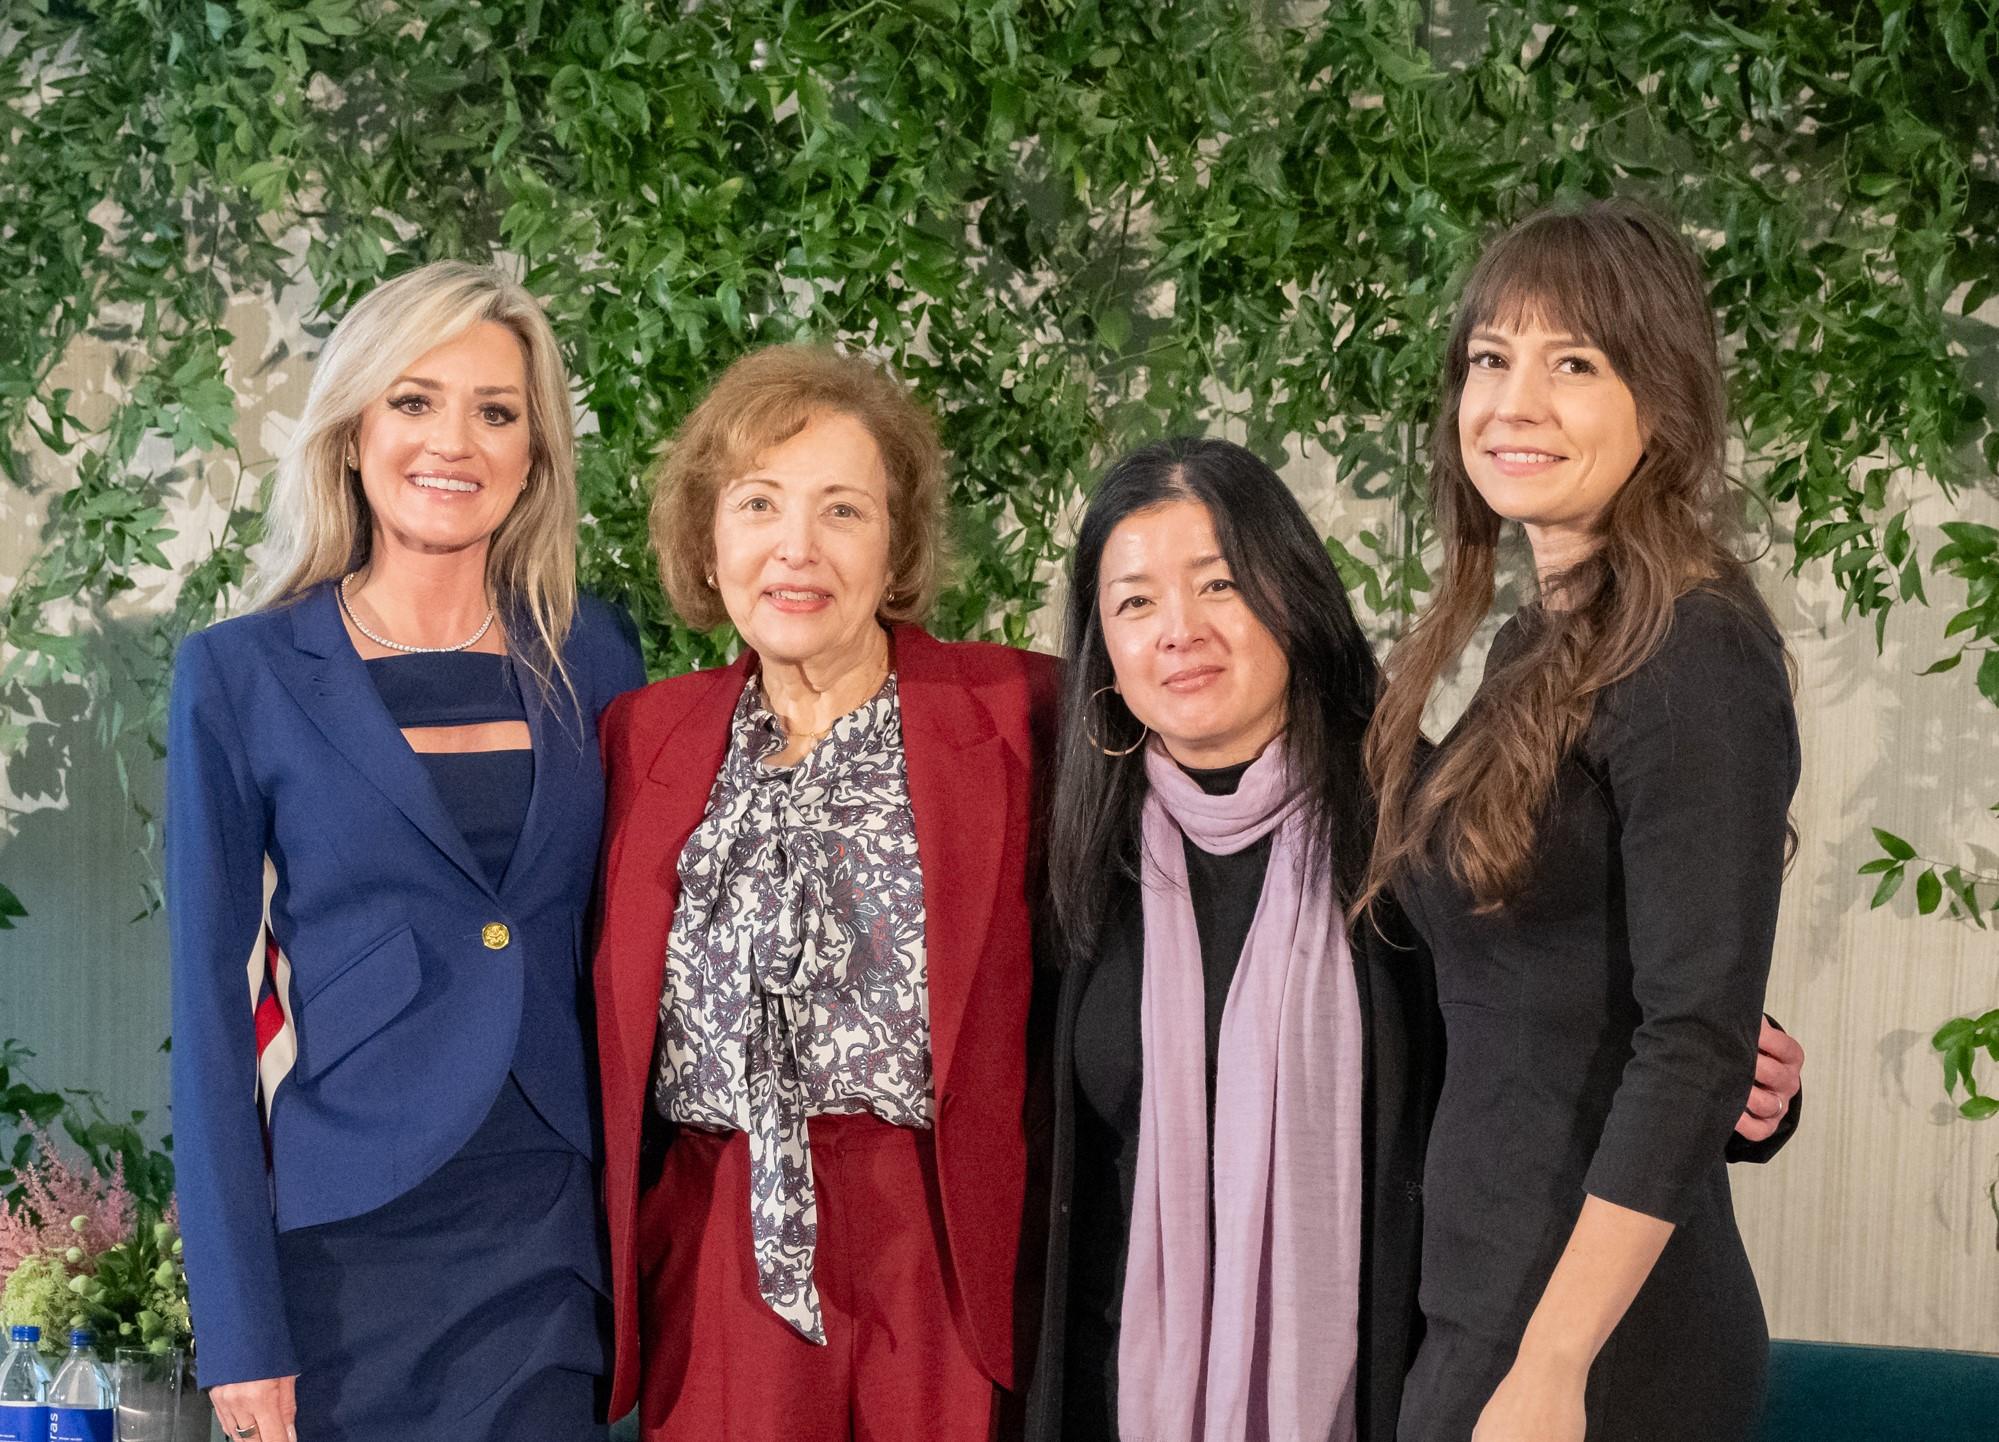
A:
(764, 399)
(317, 524)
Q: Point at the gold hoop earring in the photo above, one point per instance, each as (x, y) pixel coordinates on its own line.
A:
(1090, 730)
(352, 461)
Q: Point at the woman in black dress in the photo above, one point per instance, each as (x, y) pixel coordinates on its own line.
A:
(1593, 857)
(1210, 644)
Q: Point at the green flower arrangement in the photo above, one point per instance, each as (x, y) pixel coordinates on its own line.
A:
(77, 1250)
(136, 1291)
(37, 1294)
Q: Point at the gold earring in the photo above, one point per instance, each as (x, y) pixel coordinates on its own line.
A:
(352, 461)
(1090, 730)
(710, 578)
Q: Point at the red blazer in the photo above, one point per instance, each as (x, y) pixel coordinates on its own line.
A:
(978, 734)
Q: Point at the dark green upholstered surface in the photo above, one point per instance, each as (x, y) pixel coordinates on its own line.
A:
(1820, 1392)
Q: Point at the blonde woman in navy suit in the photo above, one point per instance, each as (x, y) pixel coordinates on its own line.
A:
(384, 804)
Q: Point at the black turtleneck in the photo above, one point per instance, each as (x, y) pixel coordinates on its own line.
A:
(1225, 891)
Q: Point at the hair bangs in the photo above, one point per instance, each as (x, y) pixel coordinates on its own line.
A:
(1623, 279)
(1547, 275)
(762, 400)
(767, 420)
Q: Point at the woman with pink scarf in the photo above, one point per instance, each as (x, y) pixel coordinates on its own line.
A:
(1242, 1085)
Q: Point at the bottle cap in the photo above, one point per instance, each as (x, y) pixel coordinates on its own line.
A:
(82, 1337)
(26, 1334)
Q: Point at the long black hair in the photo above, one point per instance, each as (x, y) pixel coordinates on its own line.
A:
(1288, 581)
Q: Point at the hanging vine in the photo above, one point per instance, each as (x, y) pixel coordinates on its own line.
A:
(1073, 224)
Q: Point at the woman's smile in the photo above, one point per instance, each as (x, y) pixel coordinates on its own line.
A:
(1191, 678)
(443, 485)
(796, 599)
(1523, 462)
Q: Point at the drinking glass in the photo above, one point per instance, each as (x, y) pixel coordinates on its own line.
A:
(148, 1386)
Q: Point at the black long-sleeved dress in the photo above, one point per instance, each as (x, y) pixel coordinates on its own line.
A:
(1600, 1035)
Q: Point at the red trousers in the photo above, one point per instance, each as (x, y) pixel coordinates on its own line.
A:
(719, 1366)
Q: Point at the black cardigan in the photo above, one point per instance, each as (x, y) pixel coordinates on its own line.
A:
(1402, 1071)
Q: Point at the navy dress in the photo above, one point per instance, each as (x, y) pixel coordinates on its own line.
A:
(473, 1306)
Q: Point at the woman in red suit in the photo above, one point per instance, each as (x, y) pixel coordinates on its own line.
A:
(814, 966)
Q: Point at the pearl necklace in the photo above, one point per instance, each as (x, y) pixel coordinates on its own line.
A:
(472, 640)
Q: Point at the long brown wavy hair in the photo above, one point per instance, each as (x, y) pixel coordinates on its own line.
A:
(1621, 277)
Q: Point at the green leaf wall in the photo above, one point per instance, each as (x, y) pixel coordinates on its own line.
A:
(1072, 225)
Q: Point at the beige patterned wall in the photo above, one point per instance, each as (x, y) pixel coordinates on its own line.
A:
(1877, 1224)
(1873, 1227)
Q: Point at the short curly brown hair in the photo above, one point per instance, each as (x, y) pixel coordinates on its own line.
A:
(762, 400)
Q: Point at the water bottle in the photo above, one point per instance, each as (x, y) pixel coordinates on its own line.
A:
(24, 1389)
(83, 1406)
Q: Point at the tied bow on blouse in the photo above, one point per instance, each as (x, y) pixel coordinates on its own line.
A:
(794, 976)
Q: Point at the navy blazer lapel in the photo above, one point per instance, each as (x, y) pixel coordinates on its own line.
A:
(332, 686)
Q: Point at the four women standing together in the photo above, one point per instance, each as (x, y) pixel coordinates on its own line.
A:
(823, 1147)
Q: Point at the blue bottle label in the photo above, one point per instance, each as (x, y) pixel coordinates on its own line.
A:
(23, 1422)
(82, 1424)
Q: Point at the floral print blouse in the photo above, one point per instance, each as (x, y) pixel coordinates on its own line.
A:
(795, 978)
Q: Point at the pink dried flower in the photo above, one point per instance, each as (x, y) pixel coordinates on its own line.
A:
(20, 1238)
(114, 1219)
(64, 1208)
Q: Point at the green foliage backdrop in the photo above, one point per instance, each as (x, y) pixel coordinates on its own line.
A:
(1073, 224)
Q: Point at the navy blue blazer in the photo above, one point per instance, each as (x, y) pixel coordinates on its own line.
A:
(411, 983)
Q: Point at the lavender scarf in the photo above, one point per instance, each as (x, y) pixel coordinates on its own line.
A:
(1270, 1357)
